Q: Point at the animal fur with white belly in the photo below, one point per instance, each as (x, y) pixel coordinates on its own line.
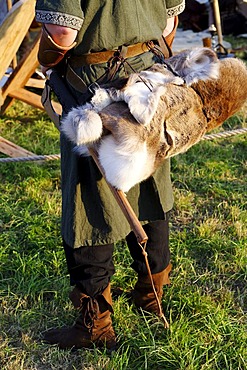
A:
(159, 113)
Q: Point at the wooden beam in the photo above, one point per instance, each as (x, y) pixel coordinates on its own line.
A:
(13, 150)
(27, 97)
(35, 82)
(33, 99)
(23, 71)
(13, 30)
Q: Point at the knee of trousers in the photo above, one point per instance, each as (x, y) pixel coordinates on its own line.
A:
(90, 268)
(157, 247)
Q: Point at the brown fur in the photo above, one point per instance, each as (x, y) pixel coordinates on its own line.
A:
(185, 113)
(191, 94)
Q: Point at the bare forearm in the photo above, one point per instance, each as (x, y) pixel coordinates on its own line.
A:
(63, 36)
(169, 26)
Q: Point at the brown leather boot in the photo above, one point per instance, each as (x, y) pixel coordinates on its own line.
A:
(143, 294)
(93, 326)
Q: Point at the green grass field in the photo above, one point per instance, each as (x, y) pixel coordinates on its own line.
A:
(207, 301)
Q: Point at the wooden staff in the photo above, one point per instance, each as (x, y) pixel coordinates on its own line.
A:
(9, 5)
(136, 227)
(216, 10)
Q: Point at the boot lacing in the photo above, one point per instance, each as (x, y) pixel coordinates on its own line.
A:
(91, 308)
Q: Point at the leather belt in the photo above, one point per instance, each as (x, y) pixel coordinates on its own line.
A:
(104, 56)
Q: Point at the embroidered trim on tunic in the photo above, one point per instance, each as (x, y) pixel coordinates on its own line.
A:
(61, 19)
(176, 10)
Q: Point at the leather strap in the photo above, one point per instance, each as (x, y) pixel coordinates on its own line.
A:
(75, 80)
(78, 84)
(105, 56)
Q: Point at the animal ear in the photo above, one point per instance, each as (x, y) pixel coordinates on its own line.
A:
(200, 64)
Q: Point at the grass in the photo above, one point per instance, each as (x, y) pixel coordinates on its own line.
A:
(207, 301)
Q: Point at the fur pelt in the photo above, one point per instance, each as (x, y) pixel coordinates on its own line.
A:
(159, 113)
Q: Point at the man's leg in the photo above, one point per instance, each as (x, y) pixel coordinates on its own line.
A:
(90, 270)
(159, 261)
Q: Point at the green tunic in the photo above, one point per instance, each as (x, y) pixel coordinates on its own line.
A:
(90, 214)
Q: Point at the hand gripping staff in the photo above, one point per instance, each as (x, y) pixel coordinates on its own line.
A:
(58, 85)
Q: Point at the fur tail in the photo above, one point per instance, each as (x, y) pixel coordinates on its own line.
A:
(82, 125)
(124, 166)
